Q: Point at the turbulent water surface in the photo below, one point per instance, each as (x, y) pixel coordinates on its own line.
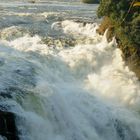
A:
(62, 79)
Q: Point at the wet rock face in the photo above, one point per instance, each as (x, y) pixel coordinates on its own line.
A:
(7, 126)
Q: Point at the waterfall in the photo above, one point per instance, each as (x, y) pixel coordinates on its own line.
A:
(83, 92)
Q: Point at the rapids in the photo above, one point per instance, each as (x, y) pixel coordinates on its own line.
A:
(62, 79)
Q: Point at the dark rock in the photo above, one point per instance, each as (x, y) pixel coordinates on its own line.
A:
(7, 125)
(91, 1)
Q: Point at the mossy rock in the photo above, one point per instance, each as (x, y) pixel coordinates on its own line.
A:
(91, 1)
(106, 24)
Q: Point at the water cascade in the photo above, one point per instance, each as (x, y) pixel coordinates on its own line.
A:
(80, 92)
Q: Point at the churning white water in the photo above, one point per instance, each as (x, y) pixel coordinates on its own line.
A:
(80, 92)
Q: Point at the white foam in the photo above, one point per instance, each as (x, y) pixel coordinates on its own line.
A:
(79, 28)
(80, 93)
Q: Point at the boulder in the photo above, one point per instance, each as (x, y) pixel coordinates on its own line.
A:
(7, 125)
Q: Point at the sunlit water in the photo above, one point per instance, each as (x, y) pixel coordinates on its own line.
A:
(62, 79)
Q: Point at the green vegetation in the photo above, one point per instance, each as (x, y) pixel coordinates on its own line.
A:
(90, 1)
(123, 20)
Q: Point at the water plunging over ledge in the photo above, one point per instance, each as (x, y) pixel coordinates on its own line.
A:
(62, 80)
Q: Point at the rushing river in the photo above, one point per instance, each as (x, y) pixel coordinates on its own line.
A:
(62, 79)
